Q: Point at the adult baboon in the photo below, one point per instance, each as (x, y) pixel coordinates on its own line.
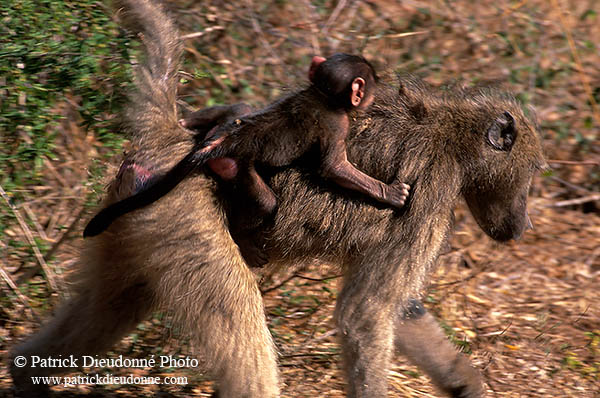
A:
(178, 254)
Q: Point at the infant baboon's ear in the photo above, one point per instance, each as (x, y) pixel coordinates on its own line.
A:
(357, 91)
(502, 133)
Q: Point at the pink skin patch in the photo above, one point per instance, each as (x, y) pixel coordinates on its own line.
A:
(142, 174)
(316, 61)
(226, 168)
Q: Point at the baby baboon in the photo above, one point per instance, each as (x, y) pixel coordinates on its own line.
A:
(177, 254)
(280, 134)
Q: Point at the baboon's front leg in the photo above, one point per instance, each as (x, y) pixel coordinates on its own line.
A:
(366, 337)
(419, 337)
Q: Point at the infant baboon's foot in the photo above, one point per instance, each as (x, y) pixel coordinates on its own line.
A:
(397, 194)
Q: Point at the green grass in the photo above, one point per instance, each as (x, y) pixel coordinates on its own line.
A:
(54, 56)
(50, 51)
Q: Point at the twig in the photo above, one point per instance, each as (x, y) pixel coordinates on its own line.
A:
(569, 184)
(393, 35)
(460, 281)
(543, 332)
(575, 54)
(38, 255)
(62, 238)
(379, 10)
(56, 174)
(506, 328)
(33, 218)
(378, 37)
(310, 355)
(202, 33)
(261, 34)
(575, 162)
(324, 336)
(582, 314)
(467, 258)
(308, 278)
(56, 214)
(577, 201)
(313, 29)
(263, 292)
(13, 286)
(348, 19)
(334, 15)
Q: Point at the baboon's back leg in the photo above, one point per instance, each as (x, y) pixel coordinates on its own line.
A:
(218, 300)
(88, 324)
(419, 337)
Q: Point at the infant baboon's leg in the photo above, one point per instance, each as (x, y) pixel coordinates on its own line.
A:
(253, 202)
(88, 324)
(261, 193)
(419, 337)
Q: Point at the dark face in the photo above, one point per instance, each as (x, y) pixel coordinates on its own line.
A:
(501, 218)
(497, 197)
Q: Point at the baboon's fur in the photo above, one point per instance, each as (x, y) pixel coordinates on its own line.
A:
(178, 254)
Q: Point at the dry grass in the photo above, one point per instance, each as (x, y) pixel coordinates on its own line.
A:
(528, 313)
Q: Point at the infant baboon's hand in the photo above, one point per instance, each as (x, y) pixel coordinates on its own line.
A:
(397, 194)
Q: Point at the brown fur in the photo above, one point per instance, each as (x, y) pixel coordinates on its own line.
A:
(441, 150)
(177, 253)
(277, 136)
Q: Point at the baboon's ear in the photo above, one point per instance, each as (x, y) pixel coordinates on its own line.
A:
(502, 133)
(357, 91)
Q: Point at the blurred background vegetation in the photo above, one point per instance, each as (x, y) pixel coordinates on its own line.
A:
(64, 66)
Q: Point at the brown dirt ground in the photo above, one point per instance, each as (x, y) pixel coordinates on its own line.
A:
(527, 313)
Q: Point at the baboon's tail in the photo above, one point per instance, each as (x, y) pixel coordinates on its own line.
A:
(151, 112)
(152, 106)
(156, 189)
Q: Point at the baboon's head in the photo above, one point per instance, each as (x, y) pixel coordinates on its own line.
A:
(504, 153)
